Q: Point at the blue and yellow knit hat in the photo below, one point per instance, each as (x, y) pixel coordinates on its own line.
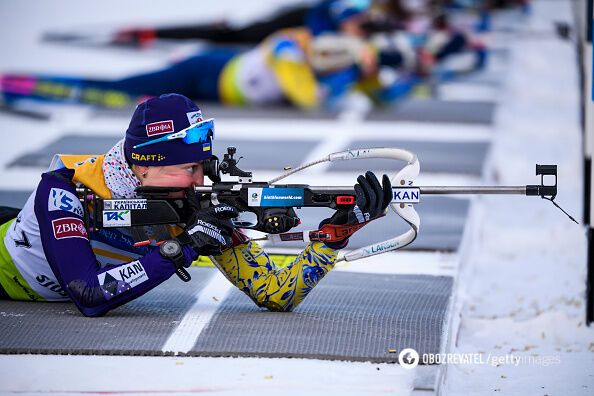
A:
(159, 133)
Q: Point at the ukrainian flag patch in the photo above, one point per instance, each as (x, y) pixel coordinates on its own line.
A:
(206, 147)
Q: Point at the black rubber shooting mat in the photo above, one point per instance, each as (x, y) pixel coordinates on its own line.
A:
(348, 316)
(486, 78)
(139, 327)
(67, 144)
(435, 157)
(439, 111)
(216, 110)
(15, 199)
(267, 154)
(431, 110)
(413, 109)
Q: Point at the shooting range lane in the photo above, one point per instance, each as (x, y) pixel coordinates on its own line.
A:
(66, 144)
(419, 110)
(14, 198)
(266, 155)
(210, 109)
(349, 316)
(438, 111)
(140, 327)
(416, 109)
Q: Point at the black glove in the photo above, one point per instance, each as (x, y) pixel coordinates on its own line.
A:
(371, 201)
(210, 229)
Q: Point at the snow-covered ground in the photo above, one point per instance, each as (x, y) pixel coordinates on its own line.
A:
(188, 376)
(522, 282)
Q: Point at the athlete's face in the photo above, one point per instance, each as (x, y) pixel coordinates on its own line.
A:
(183, 175)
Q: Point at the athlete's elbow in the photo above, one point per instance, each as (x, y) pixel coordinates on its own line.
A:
(87, 298)
(91, 312)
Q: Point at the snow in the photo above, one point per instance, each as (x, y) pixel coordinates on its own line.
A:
(522, 283)
(245, 376)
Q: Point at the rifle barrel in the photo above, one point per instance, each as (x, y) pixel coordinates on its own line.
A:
(451, 190)
(448, 190)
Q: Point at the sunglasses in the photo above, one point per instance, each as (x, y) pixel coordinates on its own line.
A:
(201, 132)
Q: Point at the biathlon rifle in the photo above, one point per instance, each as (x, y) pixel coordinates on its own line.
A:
(269, 207)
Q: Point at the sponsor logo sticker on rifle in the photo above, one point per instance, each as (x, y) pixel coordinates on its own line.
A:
(125, 204)
(69, 227)
(382, 247)
(279, 197)
(291, 236)
(159, 128)
(117, 218)
(407, 195)
(64, 200)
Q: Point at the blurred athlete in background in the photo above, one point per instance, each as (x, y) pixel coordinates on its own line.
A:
(309, 67)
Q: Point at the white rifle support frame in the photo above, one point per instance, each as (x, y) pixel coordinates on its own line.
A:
(403, 178)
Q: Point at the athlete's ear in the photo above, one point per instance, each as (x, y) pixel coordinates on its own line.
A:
(140, 171)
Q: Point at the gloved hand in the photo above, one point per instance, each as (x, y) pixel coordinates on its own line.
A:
(210, 229)
(371, 201)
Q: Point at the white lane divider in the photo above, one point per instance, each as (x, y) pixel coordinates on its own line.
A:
(198, 316)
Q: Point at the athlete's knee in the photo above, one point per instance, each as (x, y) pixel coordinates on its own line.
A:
(276, 307)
